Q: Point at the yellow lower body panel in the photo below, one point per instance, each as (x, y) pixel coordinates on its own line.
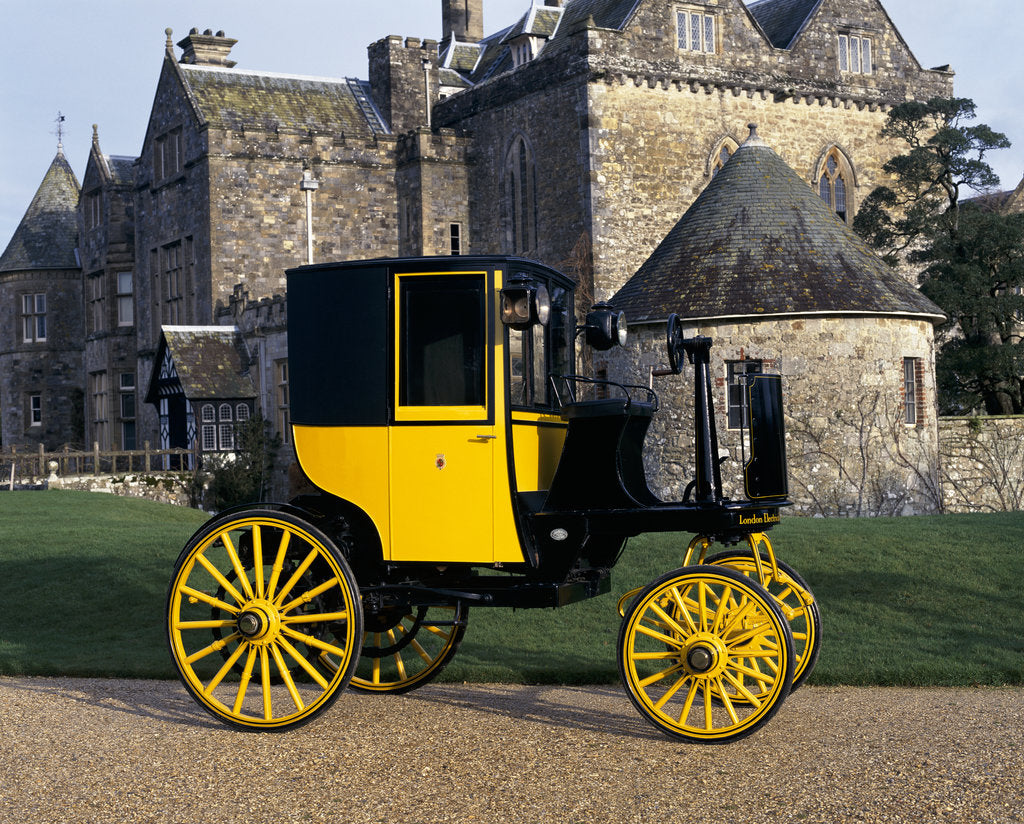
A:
(351, 463)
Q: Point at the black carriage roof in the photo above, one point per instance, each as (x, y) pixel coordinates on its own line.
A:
(452, 262)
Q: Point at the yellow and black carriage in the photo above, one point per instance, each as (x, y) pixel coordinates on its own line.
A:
(459, 461)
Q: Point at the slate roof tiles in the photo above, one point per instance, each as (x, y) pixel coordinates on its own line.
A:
(48, 233)
(758, 242)
(233, 99)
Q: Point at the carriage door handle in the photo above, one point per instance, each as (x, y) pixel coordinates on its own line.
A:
(486, 437)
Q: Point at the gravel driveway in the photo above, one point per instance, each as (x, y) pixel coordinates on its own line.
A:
(81, 750)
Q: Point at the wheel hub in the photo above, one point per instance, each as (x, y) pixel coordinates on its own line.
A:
(705, 655)
(700, 659)
(259, 622)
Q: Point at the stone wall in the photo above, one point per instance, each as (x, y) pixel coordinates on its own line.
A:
(51, 369)
(848, 450)
(168, 489)
(982, 463)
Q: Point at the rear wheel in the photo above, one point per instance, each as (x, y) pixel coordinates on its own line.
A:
(685, 650)
(276, 594)
(794, 598)
(405, 647)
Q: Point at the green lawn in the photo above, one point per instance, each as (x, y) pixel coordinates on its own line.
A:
(910, 601)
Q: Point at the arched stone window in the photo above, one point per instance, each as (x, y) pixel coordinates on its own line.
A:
(835, 182)
(520, 198)
(720, 154)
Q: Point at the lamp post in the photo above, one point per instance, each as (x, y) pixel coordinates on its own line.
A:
(308, 185)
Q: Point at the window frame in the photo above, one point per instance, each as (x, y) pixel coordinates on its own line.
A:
(410, 411)
(854, 53)
(706, 30)
(125, 299)
(33, 317)
(282, 397)
(35, 409)
(838, 182)
(912, 392)
(547, 360)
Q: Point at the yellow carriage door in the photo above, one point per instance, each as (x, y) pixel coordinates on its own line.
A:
(444, 440)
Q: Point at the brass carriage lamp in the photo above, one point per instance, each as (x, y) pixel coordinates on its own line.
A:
(524, 302)
(605, 327)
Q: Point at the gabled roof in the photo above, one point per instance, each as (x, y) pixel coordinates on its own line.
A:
(782, 20)
(208, 362)
(759, 242)
(48, 233)
(122, 169)
(549, 22)
(233, 99)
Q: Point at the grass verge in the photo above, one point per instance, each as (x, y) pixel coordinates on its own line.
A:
(924, 601)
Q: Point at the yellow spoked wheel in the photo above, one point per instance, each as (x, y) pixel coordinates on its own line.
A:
(685, 648)
(406, 647)
(256, 597)
(794, 598)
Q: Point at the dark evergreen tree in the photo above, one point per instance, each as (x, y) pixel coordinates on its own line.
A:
(969, 254)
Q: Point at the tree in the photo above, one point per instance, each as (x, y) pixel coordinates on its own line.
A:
(241, 476)
(970, 257)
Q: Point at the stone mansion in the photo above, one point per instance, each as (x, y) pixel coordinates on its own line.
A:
(145, 303)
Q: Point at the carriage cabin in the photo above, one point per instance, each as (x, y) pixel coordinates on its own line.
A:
(412, 400)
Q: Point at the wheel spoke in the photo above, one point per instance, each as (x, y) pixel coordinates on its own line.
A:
(268, 708)
(311, 641)
(236, 563)
(216, 646)
(296, 576)
(221, 623)
(314, 617)
(671, 691)
(213, 601)
(220, 579)
(243, 685)
(658, 676)
(308, 596)
(275, 572)
(224, 670)
(286, 676)
(301, 660)
(257, 558)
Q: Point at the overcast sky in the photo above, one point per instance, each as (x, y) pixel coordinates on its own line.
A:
(98, 62)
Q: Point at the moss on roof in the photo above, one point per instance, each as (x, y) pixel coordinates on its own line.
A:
(48, 233)
(211, 362)
(758, 241)
(232, 99)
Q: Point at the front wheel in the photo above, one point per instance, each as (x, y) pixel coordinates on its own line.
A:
(276, 594)
(685, 650)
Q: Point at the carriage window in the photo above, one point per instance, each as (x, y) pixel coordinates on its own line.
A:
(443, 335)
(736, 372)
(539, 352)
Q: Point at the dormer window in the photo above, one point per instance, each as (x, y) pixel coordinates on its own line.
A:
(854, 54)
(695, 31)
(522, 51)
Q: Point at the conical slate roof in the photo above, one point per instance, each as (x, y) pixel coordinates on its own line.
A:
(758, 241)
(48, 233)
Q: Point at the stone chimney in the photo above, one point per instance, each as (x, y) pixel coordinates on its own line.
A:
(464, 19)
(207, 49)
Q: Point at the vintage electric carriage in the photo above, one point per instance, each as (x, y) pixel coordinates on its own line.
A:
(460, 462)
